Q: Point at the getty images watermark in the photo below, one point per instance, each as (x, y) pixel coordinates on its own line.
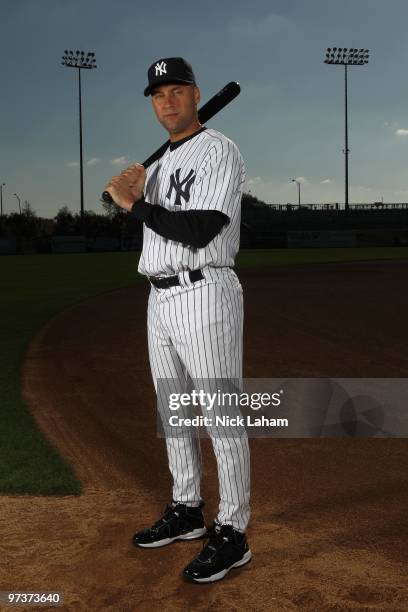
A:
(283, 408)
(217, 402)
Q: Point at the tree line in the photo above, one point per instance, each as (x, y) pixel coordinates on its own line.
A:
(113, 222)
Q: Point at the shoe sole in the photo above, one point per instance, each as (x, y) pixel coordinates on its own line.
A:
(220, 575)
(191, 535)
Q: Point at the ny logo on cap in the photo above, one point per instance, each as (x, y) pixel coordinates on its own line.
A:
(161, 68)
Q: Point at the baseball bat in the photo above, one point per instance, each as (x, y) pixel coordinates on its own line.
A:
(205, 113)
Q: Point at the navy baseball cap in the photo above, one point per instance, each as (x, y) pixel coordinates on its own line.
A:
(169, 70)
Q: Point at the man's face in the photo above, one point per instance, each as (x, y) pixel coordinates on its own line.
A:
(175, 105)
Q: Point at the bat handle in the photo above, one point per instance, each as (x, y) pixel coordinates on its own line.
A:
(106, 197)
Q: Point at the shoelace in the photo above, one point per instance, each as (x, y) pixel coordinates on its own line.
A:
(168, 513)
(215, 542)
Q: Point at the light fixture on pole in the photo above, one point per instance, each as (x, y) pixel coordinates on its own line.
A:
(19, 202)
(346, 57)
(298, 184)
(80, 62)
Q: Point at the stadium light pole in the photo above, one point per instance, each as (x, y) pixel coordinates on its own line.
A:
(346, 57)
(298, 184)
(19, 202)
(80, 62)
(1, 197)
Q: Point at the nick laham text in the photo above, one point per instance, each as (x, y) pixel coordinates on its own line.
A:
(227, 421)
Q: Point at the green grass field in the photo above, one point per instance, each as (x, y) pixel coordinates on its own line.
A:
(34, 289)
(252, 258)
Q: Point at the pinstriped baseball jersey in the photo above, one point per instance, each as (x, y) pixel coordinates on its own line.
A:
(206, 172)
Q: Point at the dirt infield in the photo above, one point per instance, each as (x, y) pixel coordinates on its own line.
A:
(329, 524)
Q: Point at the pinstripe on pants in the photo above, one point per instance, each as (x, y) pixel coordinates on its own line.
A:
(195, 335)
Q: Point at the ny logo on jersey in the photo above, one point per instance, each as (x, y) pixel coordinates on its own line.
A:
(161, 68)
(178, 185)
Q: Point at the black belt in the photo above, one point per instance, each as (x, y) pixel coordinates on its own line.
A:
(173, 281)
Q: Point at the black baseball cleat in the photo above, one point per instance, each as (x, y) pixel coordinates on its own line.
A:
(179, 522)
(226, 548)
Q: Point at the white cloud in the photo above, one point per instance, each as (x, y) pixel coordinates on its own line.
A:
(391, 124)
(402, 132)
(364, 189)
(73, 164)
(326, 182)
(254, 180)
(119, 161)
(264, 27)
(93, 161)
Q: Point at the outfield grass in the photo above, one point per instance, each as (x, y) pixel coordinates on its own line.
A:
(34, 289)
(252, 258)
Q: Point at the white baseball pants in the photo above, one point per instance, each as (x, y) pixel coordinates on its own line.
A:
(195, 334)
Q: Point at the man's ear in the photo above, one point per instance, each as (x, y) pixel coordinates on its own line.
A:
(197, 94)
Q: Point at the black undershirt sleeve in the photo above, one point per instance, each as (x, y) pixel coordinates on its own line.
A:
(195, 228)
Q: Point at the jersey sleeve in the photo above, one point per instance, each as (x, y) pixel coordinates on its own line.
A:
(195, 228)
(219, 182)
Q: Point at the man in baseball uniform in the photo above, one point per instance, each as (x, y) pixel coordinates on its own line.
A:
(190, 203)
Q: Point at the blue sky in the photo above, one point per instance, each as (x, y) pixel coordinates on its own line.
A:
(288, 120)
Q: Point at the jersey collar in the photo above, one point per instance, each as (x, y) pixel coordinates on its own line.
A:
(178, 143)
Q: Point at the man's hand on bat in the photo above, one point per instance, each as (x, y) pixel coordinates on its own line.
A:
(128, 187)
